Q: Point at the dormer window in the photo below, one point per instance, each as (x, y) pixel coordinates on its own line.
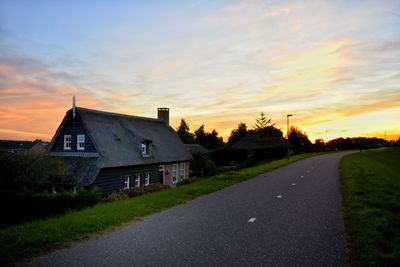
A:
(67, 142)
(80, 144)
(146, 148)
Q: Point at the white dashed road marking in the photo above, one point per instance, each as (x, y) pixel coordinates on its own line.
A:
(302, 176)
(293, 184)
(279, 196)
(252, 220)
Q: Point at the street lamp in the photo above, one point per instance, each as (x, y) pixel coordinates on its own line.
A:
(287, 144)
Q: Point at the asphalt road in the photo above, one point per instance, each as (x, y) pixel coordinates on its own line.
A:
(287, 217)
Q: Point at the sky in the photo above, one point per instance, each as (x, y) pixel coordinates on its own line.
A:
(334, 65)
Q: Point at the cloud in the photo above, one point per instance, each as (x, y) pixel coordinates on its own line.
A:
(33, 99)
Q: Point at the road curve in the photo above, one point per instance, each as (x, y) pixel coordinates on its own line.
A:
(287, 217)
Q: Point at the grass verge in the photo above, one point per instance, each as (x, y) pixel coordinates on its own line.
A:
(22, 242)
(371, 204)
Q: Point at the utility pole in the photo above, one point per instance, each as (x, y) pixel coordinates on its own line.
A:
(287, 144)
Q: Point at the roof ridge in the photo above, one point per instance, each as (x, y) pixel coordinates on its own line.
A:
(118, 114)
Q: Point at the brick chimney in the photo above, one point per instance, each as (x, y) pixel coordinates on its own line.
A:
(163, 114)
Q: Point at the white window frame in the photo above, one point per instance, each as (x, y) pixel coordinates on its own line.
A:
(183, 171)
(137, 180)
(175, 169)
(147, 179)
(127, 181)
(146, 148)
(67, 141)
(79, 142)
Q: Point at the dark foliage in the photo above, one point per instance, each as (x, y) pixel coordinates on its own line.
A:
(30, 171)
(228, 156)
(184, 132)
(198, 163)
(270, 152)
(23, 207)
(299, 140)
(135, 191)
(237, 134)
(319, 146)
(359, 143)
(200, 136)
(396, 143)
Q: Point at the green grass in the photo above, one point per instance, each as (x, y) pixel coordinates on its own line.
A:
(20, 243)
(371, 204)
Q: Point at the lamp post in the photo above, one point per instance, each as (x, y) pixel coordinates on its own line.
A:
(287, 144)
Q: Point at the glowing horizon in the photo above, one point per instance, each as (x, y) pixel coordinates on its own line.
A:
(216, 63)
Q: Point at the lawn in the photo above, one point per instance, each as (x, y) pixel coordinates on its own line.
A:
(371, 205)
(22, 242)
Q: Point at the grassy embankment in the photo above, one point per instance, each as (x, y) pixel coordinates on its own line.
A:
(371, 204)
(22, 242)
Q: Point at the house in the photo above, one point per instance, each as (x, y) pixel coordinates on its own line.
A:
(15, 146)
(196, 148)
(118, 151)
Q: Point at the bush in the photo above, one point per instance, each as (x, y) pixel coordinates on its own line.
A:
(270, 152)
(135, 191)
(26, 206)
(30, 170)
(228, 155)
(198, 162)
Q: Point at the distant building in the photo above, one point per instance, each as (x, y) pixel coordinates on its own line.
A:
(252, 143)
(15, 146)
(118, 151)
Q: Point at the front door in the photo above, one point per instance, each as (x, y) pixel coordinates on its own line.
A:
(161, 173)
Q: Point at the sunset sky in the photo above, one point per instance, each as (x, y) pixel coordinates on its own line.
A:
(334, 65)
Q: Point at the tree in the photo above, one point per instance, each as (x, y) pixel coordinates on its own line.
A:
(263, 129)
(213, 141)
(237, 134)
(262, 122)
(183, 131)
(299, 140)
(200, 136)
(319, 145)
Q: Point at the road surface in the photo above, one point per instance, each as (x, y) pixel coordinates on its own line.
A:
(288, 217)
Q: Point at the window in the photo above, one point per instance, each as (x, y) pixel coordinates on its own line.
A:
(80, 142)
(174, 173)
(146, 148)
(137, 180)
(182, 174)
(127, 179)
(147, 179)
(67, 142)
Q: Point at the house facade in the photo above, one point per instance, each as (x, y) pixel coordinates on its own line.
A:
(118, 151)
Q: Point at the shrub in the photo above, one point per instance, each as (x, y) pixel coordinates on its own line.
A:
(228, 155)
(210, 167)
(28, 206)
(275, 152)
(198, 162)
(135, 191)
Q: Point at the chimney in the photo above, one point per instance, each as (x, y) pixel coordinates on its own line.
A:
(73, 107)
(163, 114)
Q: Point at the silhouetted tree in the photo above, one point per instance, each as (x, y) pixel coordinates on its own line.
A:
(237, 134)
(261, 125)
(299, 140)
(319, 145)
(200, 136)
(184, 132)
(213, 141)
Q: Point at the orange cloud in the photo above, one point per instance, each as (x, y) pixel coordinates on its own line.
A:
(32, 103)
